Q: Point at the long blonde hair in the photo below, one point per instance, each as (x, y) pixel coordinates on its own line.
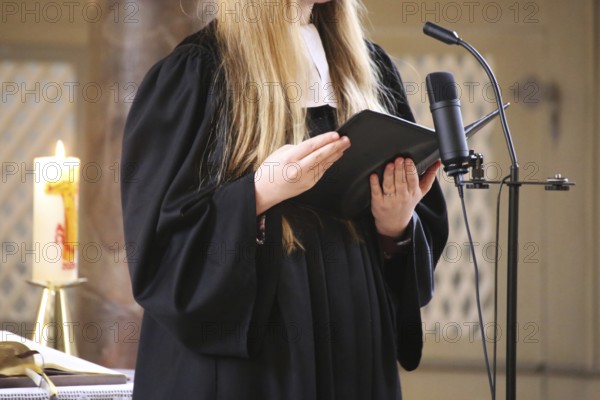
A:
(263, 59)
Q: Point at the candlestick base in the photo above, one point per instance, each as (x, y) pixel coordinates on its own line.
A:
(53, 325)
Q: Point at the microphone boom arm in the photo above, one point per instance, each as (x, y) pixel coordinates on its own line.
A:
(507, 136)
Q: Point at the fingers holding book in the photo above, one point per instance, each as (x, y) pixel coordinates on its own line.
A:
(394, 200)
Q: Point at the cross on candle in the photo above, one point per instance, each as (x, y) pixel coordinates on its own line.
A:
(55, 221)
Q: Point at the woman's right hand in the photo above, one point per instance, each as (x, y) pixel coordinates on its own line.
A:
(293, 169)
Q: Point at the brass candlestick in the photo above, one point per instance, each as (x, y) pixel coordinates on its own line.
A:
(53, 325)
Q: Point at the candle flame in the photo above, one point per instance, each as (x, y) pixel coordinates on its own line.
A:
(60, 149)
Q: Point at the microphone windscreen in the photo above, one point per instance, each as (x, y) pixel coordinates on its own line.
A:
(441, 87)
(447, 119)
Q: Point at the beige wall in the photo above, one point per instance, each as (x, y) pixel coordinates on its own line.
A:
(551, 42)
(33, 30)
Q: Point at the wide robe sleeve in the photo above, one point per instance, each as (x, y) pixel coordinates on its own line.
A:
(409, 273)
(194, 262)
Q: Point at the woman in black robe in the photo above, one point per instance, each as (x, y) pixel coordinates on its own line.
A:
(229, 313)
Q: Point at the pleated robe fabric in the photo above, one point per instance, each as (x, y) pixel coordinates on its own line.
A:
(226, 318)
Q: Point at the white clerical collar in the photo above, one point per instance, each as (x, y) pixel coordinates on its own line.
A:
(320, 88)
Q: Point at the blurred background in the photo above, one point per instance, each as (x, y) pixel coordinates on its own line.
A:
(70, 70)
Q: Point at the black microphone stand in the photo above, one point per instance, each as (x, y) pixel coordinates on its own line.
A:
(556, 183)
(513, 236)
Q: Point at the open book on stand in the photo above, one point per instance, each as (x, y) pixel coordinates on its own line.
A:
(23, 363)
(376, 139)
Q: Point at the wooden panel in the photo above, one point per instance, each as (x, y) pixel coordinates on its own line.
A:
(46, 22)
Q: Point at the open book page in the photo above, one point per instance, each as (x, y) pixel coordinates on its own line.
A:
(58, 360)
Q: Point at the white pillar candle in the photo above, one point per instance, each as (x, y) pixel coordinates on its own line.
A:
(55, 220)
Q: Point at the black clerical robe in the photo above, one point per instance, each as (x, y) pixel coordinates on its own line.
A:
(227, 318)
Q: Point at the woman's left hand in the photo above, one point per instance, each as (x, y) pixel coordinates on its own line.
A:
(393, 203)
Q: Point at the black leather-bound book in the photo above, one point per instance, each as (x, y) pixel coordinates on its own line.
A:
(376, 139)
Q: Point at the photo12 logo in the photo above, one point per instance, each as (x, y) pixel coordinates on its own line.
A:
(54, 12)
(471, 11)
(56, 92)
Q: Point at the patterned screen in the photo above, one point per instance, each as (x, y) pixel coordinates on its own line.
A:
(37, 108)
(454, 299)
